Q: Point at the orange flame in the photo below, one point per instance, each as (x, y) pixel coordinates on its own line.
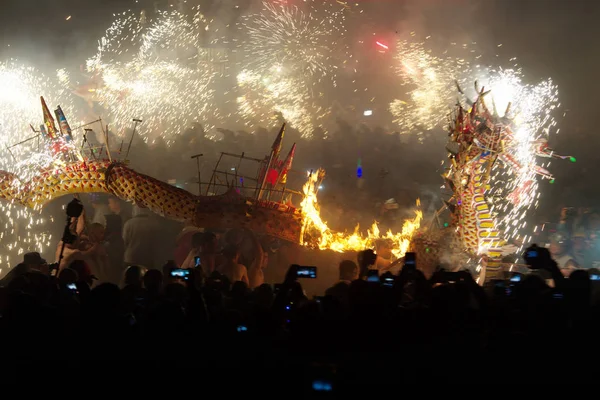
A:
(316, 232)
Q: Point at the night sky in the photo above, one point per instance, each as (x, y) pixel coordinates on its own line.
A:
(550, 38)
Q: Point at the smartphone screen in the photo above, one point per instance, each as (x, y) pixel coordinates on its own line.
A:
(532, 254)
(516, 278)
(594, 277)
(373, 275)
(306, 272)
(410, 259)
(180, 273)
(72, 286)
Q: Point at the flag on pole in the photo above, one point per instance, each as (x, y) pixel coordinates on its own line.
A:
(287, 165)
(278, 142)
(43, 130)
(48, 120)
(63, 124)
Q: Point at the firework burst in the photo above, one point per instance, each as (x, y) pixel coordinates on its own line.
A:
(23, 229)
(436, 83)
(290, 57)
(159, 71)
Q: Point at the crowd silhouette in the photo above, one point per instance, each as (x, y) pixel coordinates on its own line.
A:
(366, 330)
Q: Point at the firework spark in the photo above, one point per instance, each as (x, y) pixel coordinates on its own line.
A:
(20, 110)
(526, 109)
(290, 57)
(432, 89)
(159, 71)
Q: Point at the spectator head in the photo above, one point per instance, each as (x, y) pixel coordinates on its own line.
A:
(153, 280)
(96, 233)
(558, 245)
(83, 271)
(114, 204)
(231, 253)
(35, 261)
(367, 257)
(239, 290)
(134, 275)
(105, 299)
(19, 270)
(68, 276)
(348, 271)
(263, 295)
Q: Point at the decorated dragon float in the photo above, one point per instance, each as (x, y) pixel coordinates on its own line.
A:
(479, 141)
(482, 148)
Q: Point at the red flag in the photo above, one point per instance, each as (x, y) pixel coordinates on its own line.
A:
(48, 120)
(287, 165)
(277, 143)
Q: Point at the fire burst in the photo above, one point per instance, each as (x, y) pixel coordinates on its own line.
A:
(314, 229)
(289, 56)
(158, 71)
(23, 229)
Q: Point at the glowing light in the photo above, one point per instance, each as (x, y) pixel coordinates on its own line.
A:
(20, 109)
(383, 46)
(368, 113)
(315, 231)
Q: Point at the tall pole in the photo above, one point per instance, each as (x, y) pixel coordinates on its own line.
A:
(197, 157)
(136, 121)
(264, 180)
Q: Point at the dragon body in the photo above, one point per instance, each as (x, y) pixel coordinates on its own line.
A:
(230, 210)
(479, 140)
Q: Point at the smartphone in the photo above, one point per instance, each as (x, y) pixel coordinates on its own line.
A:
(242, 328)
(197, 261)
(410, 259)
(388, 281)
(532, 254)
(373, 275)
(594, 277)
(180, 273)
(515, 278)
(306, 272)
(72, 286)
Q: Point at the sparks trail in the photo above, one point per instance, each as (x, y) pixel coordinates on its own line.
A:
(157, 70)
(291, 55)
